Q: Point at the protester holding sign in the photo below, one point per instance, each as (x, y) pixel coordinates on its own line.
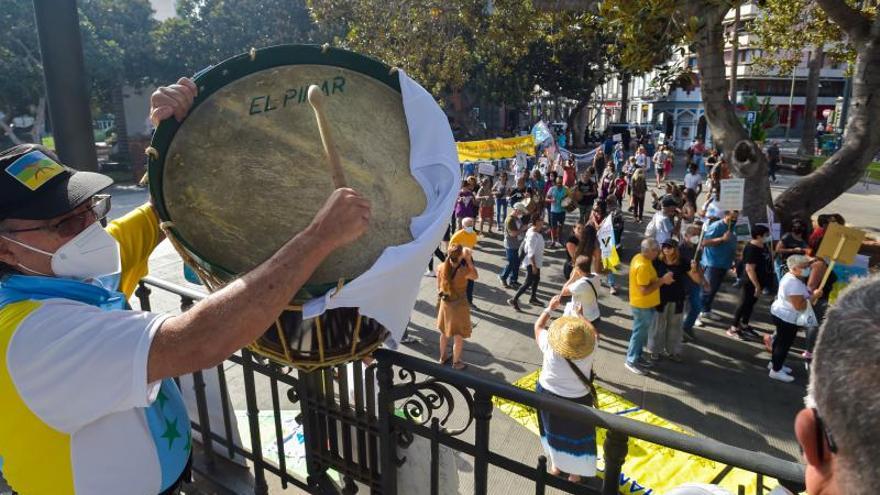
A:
(694, 282)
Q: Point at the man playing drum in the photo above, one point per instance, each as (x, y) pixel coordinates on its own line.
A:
(89, 404)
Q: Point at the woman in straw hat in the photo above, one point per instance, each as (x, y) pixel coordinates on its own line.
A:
(453, 310)
(568, 347)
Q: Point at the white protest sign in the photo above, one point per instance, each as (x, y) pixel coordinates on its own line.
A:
(662, 137)
(486, 168)
(606, 237)
(743, 229)
(617, 137)
(732, 193)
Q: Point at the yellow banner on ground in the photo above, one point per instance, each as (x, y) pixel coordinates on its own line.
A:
(649, 469)
(495, 149)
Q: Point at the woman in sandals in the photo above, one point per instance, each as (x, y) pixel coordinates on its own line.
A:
(453, 310)
(568, 346)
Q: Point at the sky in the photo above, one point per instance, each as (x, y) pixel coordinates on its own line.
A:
(164, 8)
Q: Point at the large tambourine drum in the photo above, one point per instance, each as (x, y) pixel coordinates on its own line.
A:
(246, 171)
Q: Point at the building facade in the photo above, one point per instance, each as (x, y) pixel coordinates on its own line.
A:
(679, 113)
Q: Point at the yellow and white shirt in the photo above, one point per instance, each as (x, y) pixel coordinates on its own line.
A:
(78, 413)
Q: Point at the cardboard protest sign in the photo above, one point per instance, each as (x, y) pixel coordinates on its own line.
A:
(841, 243)
(732, 193)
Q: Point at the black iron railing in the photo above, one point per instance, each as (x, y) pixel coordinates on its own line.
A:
(358, 424)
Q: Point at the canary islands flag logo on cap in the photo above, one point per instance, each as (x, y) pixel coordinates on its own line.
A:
(34, 169)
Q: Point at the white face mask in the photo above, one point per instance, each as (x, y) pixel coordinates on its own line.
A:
(469, 230)
(92, 255)
(695, 239)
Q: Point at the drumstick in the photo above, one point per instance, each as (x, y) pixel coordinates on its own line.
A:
(316, 99)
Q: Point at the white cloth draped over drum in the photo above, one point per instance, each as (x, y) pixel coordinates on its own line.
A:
(387, 291)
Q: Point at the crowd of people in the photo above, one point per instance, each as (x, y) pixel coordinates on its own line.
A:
(689, 248)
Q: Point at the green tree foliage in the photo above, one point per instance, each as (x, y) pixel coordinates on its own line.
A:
(22, 82)
(766, 117)
(788, 27)
(209, 31)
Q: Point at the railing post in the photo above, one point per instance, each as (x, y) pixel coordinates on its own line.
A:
(204, 419)
(387, 438)
(541, 481)
(616, 447)
(143, 295)
(253, 413)
(482, 416)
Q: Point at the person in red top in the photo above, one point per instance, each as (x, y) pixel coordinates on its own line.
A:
(569, 172)
(818, 233)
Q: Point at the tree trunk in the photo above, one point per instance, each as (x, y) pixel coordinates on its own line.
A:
(624, 96)
(7, 129)
(118, 103)
(808, 137)
(39, 121)
(728, 133)
(575, 124)
(862, 141)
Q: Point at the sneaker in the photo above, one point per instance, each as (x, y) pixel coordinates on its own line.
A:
(655, 356)
(709, 315)
(807, 355)
(536, 302)
(613, 291)
(515, 305)
(782, 377)
(750, 332)
(429, 273)
(699, 323)
(633, 368)
(644, 363)
(514, 284)
(785, 369)
(735, 333)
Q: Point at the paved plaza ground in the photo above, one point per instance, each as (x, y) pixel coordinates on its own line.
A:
(721, 391)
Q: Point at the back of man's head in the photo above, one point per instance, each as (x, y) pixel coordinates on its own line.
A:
(843, 391)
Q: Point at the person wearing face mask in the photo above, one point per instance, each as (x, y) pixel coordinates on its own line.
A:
(790, 310)
(792, 242)
(86, 385)
(758, 271)
(694, 282)
(466, 237)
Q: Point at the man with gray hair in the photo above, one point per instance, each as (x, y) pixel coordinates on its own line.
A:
(839, 429)
(644, 297)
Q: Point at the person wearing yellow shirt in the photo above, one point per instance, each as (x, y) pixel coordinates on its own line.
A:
(87, 389)
(644, 297)
(466, 237)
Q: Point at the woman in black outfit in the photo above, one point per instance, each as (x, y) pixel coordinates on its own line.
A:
(758, 271)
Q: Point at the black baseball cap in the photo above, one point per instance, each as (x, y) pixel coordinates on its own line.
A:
(34, 185)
